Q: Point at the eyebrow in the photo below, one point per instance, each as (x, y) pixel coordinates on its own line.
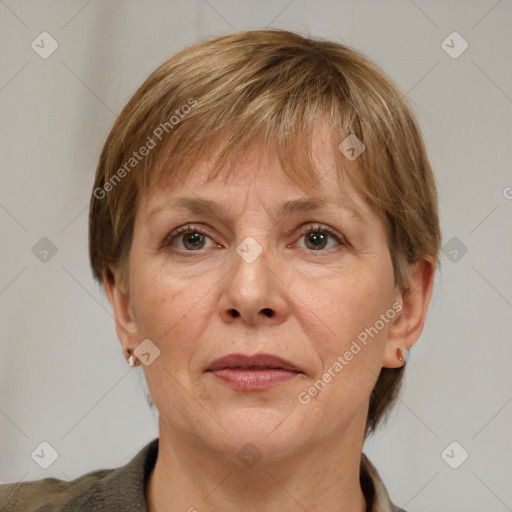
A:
(202, 206)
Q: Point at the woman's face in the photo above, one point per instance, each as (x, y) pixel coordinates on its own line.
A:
(248, 279)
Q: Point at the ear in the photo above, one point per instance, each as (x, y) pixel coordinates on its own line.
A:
(119, 299)
(408, 324)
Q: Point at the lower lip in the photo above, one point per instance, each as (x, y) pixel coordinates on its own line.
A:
(253, 380)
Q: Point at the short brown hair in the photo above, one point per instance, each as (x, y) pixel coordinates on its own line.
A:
(271, 86)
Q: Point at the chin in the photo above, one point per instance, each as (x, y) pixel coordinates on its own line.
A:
(262, 433)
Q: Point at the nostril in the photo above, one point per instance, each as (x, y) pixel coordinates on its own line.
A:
(266, 311)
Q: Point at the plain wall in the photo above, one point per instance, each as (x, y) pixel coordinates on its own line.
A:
(62, 375)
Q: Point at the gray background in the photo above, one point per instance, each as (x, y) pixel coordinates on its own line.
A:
(62, 376)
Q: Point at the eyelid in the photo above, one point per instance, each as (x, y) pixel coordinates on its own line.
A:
(315, 226)
(304, 229)
(189, 227)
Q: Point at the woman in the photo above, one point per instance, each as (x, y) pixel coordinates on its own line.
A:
(264, 221)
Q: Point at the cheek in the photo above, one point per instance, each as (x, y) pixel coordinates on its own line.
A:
(339, 307)
(342, 319)
(171, 311)
(338, 318)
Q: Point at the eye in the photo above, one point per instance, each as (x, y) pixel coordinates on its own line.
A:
(191, 237)
(317, 236)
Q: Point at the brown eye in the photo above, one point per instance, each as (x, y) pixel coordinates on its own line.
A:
(316, 240)
(317, 237)
(187, 238)
(193, 240)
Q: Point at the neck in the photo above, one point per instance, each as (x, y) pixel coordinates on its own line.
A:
(189, 476)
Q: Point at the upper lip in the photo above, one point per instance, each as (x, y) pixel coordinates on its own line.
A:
(256, 361)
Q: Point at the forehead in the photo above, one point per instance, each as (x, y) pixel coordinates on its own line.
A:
(259, 171)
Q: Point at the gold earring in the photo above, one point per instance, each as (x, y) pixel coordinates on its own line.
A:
(131, 359)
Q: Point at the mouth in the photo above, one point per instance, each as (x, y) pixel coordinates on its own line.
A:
(253, 373)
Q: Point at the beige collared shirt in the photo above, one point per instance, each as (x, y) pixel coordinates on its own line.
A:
(122, 489)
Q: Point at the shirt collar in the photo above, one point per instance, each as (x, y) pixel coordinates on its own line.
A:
(131, 481)
(377, 497)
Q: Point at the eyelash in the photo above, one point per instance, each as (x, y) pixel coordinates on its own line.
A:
(303, 230)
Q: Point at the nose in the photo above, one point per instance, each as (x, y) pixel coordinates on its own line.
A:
(254, 292)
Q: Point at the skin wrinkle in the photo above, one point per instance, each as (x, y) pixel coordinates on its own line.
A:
(319, 304)
(196, 306)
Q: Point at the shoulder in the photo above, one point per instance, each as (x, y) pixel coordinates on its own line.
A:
(374, 488)
(105, 489)
(51, 493)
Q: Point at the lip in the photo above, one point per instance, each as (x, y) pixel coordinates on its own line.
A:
(253, 373)
(256, 362)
